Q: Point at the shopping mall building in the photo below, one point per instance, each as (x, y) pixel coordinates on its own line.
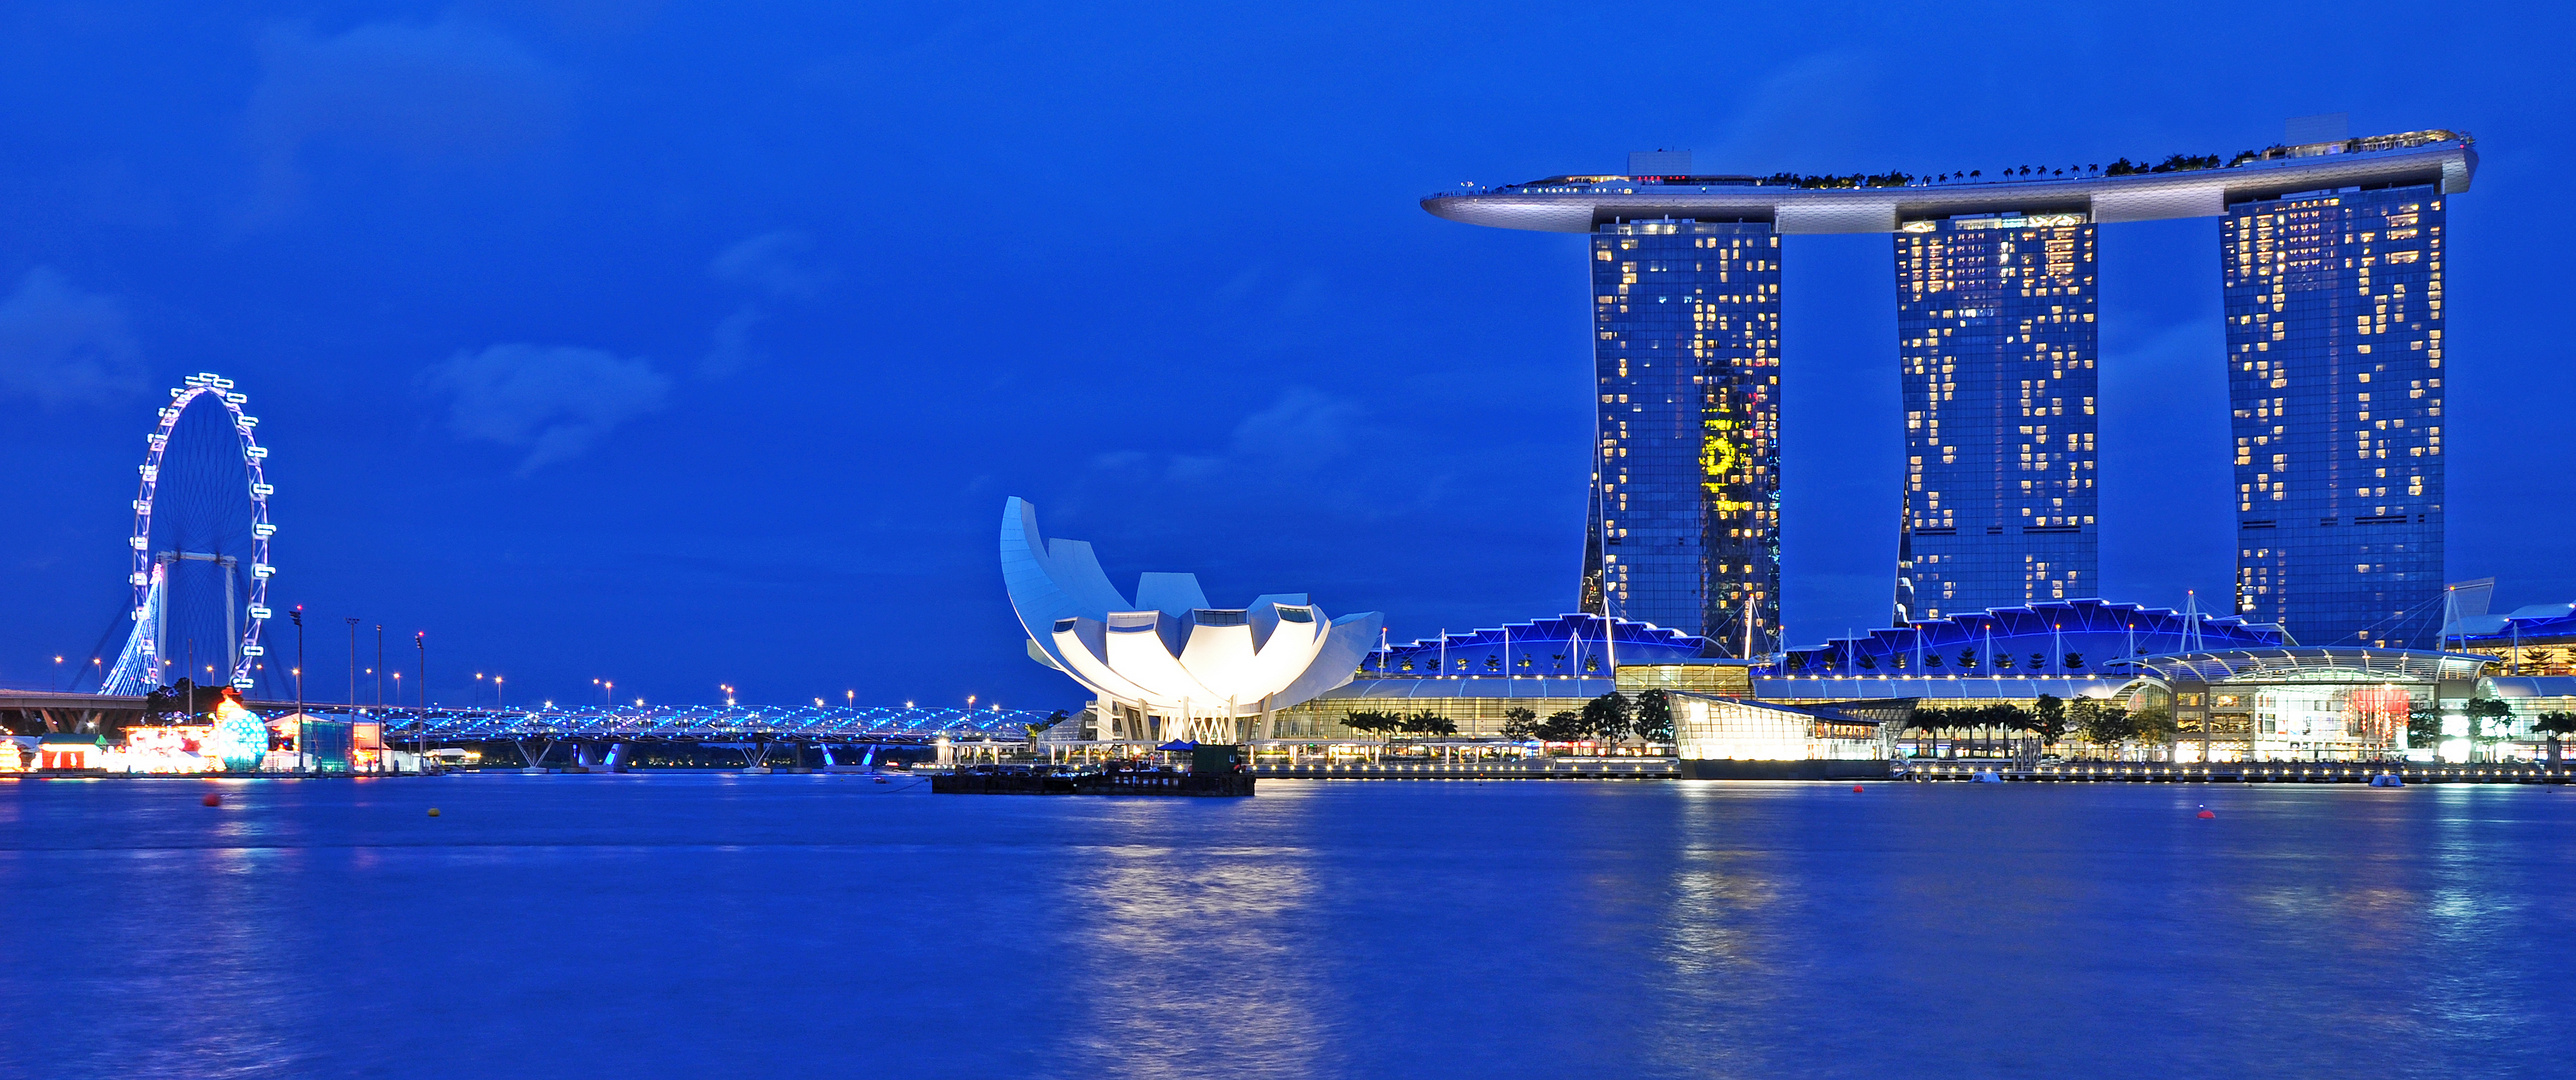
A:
(2235, 690)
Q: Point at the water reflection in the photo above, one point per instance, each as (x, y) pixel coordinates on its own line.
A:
(1189, 952)
(802, 926)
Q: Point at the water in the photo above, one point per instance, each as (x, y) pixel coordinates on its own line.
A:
(788, 926)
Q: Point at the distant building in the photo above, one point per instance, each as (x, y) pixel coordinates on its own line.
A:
(1996, 347)
(2334, 307)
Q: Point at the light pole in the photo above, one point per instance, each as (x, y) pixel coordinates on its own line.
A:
(298, 616)
(420, 641)
(380, 665)
(353, 661)
(496, 694)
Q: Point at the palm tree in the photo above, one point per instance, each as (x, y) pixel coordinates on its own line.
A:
(2554, 724)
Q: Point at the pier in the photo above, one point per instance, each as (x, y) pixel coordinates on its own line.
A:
(2249, 772)
(1638, 768)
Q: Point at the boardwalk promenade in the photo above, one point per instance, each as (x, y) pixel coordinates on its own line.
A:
(2251, 772)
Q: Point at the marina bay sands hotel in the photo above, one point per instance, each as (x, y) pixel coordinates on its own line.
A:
(2331, 263)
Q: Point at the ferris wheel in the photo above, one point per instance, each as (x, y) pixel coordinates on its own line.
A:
(200, 565)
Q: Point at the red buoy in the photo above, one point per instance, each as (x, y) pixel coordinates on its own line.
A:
(2205, 813)
(1855, 789)
(213, 800)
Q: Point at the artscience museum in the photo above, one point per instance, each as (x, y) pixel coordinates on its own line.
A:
(1169, 664)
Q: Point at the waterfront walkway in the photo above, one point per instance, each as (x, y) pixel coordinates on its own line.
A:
(1642, 768)
(2251, 772)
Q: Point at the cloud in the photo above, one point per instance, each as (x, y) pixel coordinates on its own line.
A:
(733, 350)
(555, 400)
(1819, 103)
(445, 90)
(774, 263)
(1302, 431)
(60, 345)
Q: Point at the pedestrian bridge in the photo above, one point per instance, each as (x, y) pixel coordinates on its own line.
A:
(36, 710)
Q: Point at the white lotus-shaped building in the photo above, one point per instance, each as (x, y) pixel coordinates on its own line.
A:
(1169, 665)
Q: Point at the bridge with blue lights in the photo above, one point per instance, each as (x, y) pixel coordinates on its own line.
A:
(814, 724)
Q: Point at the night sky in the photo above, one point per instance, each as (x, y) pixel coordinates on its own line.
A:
(688, 344)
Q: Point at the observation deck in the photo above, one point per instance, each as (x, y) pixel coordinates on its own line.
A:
(1793, 204)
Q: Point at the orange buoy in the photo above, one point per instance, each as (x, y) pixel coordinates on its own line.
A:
(2205, 813)
(433, 811)
(213, 800)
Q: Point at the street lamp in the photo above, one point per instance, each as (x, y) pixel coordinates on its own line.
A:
(298, 616)
(353, 661)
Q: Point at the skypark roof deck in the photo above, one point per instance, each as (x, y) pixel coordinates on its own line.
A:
(1577, 204)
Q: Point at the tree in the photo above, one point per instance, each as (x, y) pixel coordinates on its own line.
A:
(1655, 716)
(2154, 724)
(1563, 726)
(2489, 719)
(2553, 724)
(1372, 722)
(1519, 723)
(1925, 724)
(1967, 659)
(1053, 718)
(1427, 722)
(2048, 719)
(1607, 717)
(2423, 725)
(2103, 723)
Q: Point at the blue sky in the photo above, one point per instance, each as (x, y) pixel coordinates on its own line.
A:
(685, 344)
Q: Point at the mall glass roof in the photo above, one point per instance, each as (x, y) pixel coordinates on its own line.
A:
(2316, 663)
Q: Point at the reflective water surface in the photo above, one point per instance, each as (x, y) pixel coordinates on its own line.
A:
(701, 925)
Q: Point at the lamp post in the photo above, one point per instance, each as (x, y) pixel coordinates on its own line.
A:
(380, 665)
(298, 616)
(353, 661)
(420, 641)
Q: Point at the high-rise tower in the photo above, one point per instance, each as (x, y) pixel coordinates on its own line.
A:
(1996, 345)
(1996, 281)
(1685, 529)
(2334, 373)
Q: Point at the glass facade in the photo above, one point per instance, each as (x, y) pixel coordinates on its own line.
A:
(1996, 341)
(1685, 521)
(2334, 375)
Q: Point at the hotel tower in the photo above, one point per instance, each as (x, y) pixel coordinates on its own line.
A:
(2333, 282)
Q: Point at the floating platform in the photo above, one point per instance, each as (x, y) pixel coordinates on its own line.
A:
(1795, 769)
(1043, 780)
